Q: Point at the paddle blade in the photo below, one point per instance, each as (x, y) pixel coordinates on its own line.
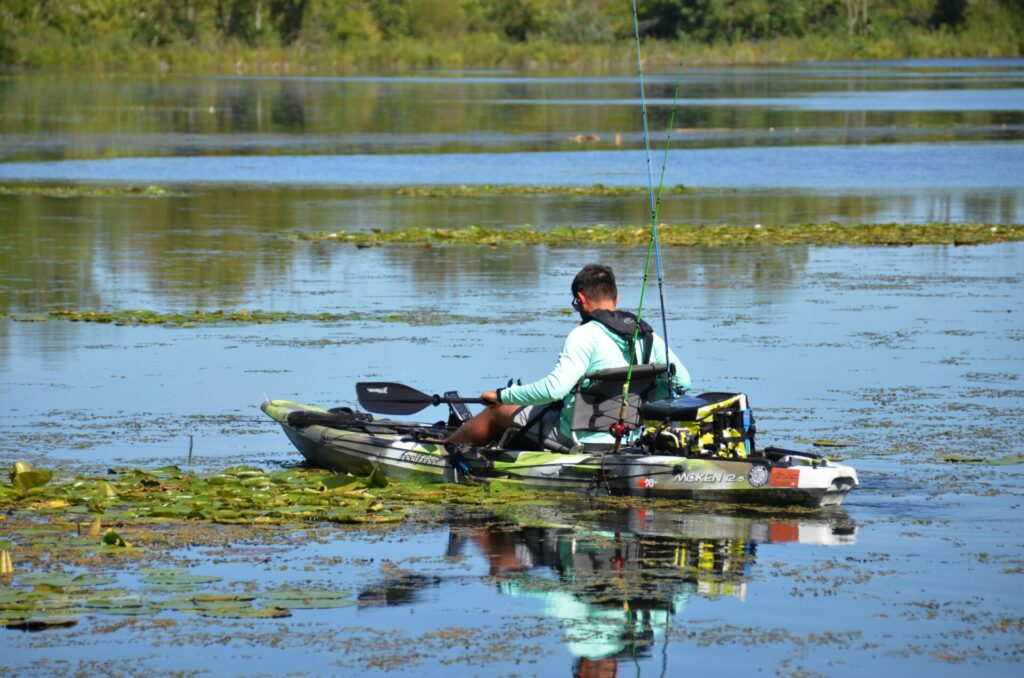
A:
(386, 397)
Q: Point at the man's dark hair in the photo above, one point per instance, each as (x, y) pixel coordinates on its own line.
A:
(597, 281)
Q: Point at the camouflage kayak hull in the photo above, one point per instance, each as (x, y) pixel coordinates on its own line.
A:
(395, 449)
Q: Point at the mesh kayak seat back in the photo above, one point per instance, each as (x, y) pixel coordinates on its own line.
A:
(598, 399)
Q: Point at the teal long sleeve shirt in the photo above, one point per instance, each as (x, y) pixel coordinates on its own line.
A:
(588, 348)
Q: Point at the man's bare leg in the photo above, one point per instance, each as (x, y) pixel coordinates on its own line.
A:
(486, 427)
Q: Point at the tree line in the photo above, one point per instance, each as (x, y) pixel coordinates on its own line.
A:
(313, 24)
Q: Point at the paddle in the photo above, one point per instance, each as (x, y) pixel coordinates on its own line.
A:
(385, 397)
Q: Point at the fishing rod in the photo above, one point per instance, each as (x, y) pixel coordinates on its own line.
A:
(618, 430)
(655, 203)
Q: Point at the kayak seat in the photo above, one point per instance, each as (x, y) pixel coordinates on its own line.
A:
(597, 405)
(598, 401)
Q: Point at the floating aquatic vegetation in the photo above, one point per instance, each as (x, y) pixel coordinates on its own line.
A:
(28, 481)
(296, 599)
(84, 191)
(55, 600)
(822, 442)
(491, 190)
(112, 538)
(62, 581)
(121, 605)
(178, 579)
(688, 235)
(1006, 460)
(138, 317)
(242, 495)
(243, 612)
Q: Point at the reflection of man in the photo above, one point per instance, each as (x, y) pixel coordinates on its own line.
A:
(597, 626)
(543, 409)
(600, 631)
(595, 668)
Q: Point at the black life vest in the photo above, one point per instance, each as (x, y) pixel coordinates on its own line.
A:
(623, 324)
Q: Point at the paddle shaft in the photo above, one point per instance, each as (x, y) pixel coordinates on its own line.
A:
(438, 400)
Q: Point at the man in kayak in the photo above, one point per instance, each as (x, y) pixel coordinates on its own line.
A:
(542, 410)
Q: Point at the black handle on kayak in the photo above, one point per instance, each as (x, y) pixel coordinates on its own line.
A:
(385, 397)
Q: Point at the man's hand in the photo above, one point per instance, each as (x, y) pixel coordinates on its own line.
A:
(490, 398)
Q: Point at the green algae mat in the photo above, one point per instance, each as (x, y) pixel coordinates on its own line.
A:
(138, 317)
(688, 235)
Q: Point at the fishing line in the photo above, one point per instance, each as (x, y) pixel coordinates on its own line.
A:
(653, 245)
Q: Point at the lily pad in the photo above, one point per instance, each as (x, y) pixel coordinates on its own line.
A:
(307, 598)
(199, 601)
(13, 596)
(36, 532)
(55, 579)
(244, 471)
(180, 603)
(163, 572)
(211, 598)
(91, 580)
(376, 478)
(126, 605)
(179, 579)
(340, 482)
(11, 614)
(165, 472)
(824, 442)
(243, 613)
(175, 511)
(130, 611)
(26, 479)
(1007, 460)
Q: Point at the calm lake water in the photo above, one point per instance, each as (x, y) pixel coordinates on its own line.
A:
(904, 141)
(905, 355)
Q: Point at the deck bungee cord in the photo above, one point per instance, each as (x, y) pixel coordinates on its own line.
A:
(618, 430)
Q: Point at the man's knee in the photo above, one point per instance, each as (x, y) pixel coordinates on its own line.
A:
(504, 415)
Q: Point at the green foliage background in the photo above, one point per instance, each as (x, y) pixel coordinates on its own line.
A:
(342, 35)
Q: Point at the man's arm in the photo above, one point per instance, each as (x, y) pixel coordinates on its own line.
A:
(571, 366)
(681, 379)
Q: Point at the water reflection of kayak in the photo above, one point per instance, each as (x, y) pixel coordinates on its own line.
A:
(355, 443)
(614, 580)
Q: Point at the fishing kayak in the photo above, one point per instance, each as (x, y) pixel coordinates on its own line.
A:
(355, 442)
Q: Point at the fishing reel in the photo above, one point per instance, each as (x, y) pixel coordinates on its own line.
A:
(618, 430)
